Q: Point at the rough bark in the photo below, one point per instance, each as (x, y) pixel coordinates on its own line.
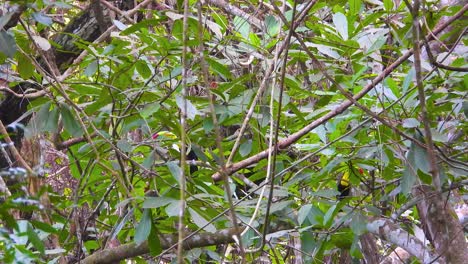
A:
(84, 28)
(130, 250)
(439, 221)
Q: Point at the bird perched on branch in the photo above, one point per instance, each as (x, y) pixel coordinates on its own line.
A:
(344, 181)
(343, 185)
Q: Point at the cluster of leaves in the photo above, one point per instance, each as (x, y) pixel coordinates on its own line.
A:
(130, 88)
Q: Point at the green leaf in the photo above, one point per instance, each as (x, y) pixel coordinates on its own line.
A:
(341, 25)
(219, 68)
(35, 240)
(272, 25)
(91, 245)
(192, 111)
(245, 148)
(388, 5)
(343, 238)
(51, 125)
(410, 123)
(124, 145)
(248, 238)
(175, 170)
(201, 222)
(321, 132)
(173, 208)
(42, 43)
(7, 44)
(143, 229)
(356, 248)
(149, 160)
(278, 206)
(5, 18)
(408, 179)
(156, 202)
(143, 69)
(154, 243)
(417, 159)
(25, 66)
(141, 26)
(315, 216)
(242, 26)
(308, 242)
(377, 45)
(69, 121)
(408, 80)
(103, 99)
(42, 117)
(42, 18)
(328, 218)
(44, 227)
(87, 90)
(255, 40)
(91, 68)
(354, 6)
(150, 109)
(118, 227)
(358, 224)
(304, 213)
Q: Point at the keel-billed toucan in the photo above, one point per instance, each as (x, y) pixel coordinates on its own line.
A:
(344, 183)
(344, 186)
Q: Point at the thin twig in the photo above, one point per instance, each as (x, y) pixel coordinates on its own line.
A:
(422, 97)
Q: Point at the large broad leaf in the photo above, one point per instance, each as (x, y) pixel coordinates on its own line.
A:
(156, 202)
(4, 19)
(272, 25)
(175, 170)
(154, 243)
(35, 240)
(7, 44)
(70, 122)
(144, 227)
(408, 80)
(192, 111)
(143, 69)
(149, 160)
(42, 18)
(343, 238)
(245, 148)
(354, 6)
(44, 227)
(242, 26)
(358, 224)
(388, 5)
(42, 43)
(201, 222)
(304, 212)
(341, 25)
(417, 159)
(173, 208)
(219, 68)
(25, 66)
(410, 123)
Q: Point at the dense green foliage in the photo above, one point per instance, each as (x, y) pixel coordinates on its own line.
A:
(130, 88)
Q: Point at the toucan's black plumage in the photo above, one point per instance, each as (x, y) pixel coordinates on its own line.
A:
(344, 186)
(192, 156)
